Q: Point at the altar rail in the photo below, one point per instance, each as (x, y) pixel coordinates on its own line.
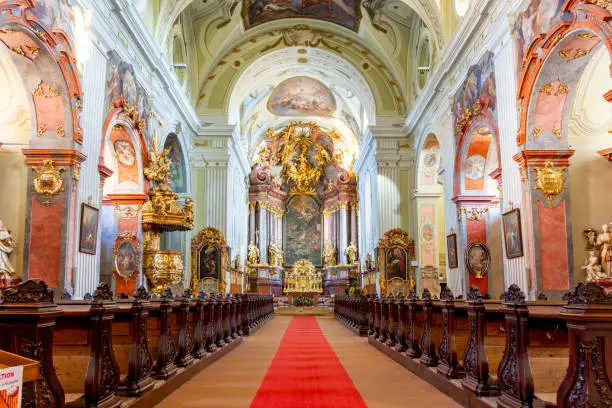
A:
(544, 354)
(108, 352)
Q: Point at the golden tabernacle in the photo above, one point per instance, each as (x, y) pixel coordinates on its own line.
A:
(303, 278)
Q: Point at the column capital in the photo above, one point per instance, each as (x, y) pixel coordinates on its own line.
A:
(538, 158)
(62, 157)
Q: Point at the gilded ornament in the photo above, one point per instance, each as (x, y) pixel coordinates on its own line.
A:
(303, 278)
(18, 50)
(163, 268)
(557, 130)
(537, 131)
(59, 129)
(329, 254)
(606, 4)
(550, 181)
(127, 211)
(76, 175)
(44, 90)
(562, 90)
(351, 254)
(253, 254)
(42, 128)
(275, 255)
(383, 286)
(546, 89)
(48, 180)
(472, 214)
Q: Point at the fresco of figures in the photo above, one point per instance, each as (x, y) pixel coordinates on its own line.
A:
(302, 230)
(121, 82)
(343, 12)
(301, 96)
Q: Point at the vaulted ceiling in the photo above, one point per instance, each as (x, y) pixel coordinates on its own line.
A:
(372, 55)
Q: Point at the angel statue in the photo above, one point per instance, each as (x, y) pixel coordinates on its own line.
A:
(7, 246)
(604, 243)
(253, 254)
(593, 268)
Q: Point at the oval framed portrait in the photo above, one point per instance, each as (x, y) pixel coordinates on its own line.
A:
(477, 259)
(125, 152)
(126, 256)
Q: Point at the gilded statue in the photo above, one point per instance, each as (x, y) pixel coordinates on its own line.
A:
(383, 285)
(222, 286)
(237, 263)
(7, 246)
(368, 263)
(275, 255)
(303, 278)
(329, 254)
(253, 254)
(411, 285)
(351, 253)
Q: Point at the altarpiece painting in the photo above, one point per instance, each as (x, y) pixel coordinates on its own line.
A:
(209, 259)
(394, 254)
(303, 230)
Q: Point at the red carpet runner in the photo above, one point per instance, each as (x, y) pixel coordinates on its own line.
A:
(306, 373)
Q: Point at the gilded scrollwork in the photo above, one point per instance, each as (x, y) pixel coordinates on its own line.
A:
(550, 181)
(48, 181)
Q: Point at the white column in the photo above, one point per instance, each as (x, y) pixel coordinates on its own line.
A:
(343, 233)
(87, 267)
(515, 270)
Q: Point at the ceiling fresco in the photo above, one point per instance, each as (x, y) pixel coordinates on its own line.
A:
(301, 96)
(342, 12)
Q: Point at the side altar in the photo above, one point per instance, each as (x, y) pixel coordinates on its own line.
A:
(302, 206)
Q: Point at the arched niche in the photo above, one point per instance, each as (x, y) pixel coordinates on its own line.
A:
(476, 180)
(429, 202)
(554, 82)
(123, 157)
(39, 123)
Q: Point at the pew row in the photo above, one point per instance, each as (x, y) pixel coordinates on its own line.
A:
(509, 353)
(108, 352)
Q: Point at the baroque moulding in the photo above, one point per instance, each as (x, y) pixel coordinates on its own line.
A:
(30, 291)
(57, 43)
(472, 214)
(48, 181)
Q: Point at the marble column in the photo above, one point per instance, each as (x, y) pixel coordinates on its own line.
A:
(343, 232)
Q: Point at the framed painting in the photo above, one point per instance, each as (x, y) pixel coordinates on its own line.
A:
(126, 256)
(303, 231)
(513, 238)
(88, 237)
(477, 259)
(451, 247)
(396, 263)
(210, 262)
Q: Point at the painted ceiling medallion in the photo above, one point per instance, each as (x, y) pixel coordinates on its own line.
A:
(550, 181)
(346, 13)
(48, 181)
(302, 96)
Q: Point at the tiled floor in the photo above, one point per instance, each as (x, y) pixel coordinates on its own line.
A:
(234, 380)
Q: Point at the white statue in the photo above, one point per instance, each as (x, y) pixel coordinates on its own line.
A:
(593, 268)
(604, 244)
(7, 246)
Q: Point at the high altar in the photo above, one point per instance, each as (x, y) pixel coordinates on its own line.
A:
(302, 206)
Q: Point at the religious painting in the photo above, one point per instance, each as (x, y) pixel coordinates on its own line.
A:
(121, 83)
(177, 165)
(431, 158)
(346, 13)
(126, 256)
(88, 237)
(475, 163)
(210, 262)
(55, 14)
(513, 238)
(477, 94)
(451, 248)
(539, 17)
(301, 96)
(477, 259)
(125, 154)
(302, 224)
(397, 263)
